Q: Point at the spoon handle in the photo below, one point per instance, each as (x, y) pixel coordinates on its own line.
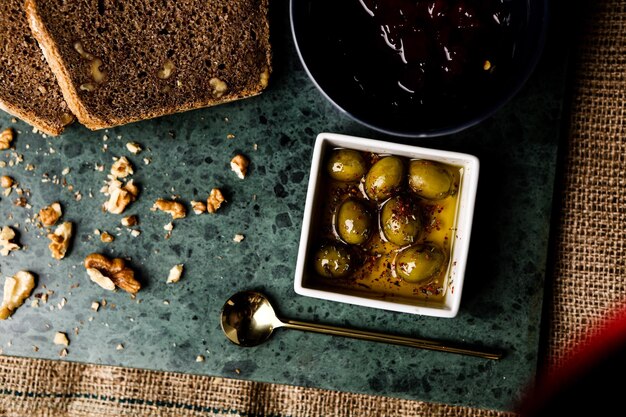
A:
(387, 338)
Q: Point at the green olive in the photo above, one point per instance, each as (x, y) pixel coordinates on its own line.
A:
(384, 178)
(346, 165)
(400, 221)
(430, 180)
(354, 222)
(333, 260)
(420, 263)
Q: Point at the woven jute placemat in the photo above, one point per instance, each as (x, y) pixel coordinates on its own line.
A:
(586, 283)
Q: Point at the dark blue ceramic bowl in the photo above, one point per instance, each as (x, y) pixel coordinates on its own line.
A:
(343, 62)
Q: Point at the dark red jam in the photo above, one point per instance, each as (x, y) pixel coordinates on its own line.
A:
(414, 59)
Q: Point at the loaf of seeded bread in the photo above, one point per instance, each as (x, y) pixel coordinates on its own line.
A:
(28, 89)
(122, 61)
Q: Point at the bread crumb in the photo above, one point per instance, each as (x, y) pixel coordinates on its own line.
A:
(175, 273)
(60, 338)
(63, 353)
(95, 306)
(119, 347)
(199, 358)
(238, 238)
(169, 227)
(135, 233)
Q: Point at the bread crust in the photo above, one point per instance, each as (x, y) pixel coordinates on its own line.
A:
(53, 57)
(94, 116)
(28, 89)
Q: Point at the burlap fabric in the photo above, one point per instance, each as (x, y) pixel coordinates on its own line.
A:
(587, 279)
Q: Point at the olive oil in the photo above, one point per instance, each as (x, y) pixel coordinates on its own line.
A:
(373, 269)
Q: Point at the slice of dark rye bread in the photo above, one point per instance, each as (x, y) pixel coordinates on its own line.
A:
(28, 89)
(122, 61)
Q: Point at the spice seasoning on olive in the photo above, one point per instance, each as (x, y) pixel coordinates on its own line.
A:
(400, 221)
(333, 260)
(420, 263)
(346, 165)
(384, 178)
(430, 180)
(354, 222)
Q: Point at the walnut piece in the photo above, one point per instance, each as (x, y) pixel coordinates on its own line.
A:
(175, 273)
(16, 289)
(238, 238)
(129, 221)
(6, 236)
(239, 164)
(106, 237)
(48, 216)
(60, 338)
(174, 208)
(265, 77)
(134, 147)
(99, 278)
(165, 72)
(198, 207)
(120, 196)
(6, 137)
(115, 270)
(215, 200)
(122, 168)
(60, 240)
(218, 87)
(6, 181)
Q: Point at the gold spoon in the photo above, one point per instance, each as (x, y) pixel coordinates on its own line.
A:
(248, 319)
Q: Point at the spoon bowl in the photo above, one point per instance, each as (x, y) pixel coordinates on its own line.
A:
(248, 319)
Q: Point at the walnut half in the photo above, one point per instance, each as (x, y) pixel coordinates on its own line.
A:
(60, 240)
(16, 289)
(114, 270)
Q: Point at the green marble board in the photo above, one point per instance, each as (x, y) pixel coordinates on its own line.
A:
(167, 326)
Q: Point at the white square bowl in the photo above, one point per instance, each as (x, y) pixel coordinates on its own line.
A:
(453, 285)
